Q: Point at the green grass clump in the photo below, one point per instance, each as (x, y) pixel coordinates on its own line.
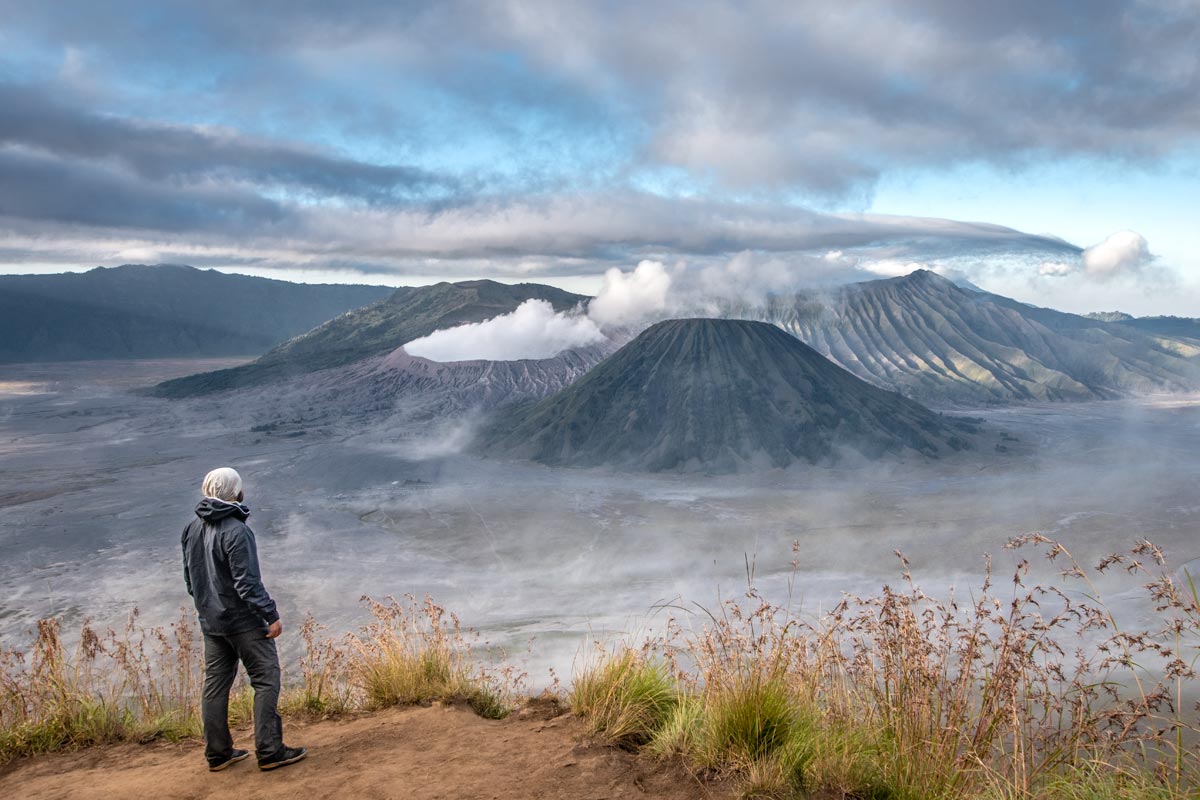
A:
(77, 724)
(626, 696)
(1097, 781)
(753, 725)
(679, 730)
(747, 721)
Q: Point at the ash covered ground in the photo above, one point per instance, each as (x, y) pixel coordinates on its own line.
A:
(97, 482)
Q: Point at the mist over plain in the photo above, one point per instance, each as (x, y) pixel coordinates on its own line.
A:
(100, 482)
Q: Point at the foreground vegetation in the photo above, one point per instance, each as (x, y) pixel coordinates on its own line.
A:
(143, 683)
(1034, 694)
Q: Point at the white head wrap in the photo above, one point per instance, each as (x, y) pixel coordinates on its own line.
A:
(223, 483)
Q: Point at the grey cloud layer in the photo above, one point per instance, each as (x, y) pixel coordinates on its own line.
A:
(558, 235)
(764, 94)
(158, 152)
(829, 97)
(101, 178)
(743, 104)
(46, 190)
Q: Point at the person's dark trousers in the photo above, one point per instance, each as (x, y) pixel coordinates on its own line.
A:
(221, 657)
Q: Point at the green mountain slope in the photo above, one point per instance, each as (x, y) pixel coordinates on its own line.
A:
(718, 395)
(160, 311)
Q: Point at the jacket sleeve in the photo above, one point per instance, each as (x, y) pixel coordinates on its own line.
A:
(187, 576)
(243, 565)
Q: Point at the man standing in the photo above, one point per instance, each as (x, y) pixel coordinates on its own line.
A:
(239, 623)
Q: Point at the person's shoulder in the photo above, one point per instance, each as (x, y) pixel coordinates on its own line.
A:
(235, 526)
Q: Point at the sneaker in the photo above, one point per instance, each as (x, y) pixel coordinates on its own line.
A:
(288, 755)
(234, 757)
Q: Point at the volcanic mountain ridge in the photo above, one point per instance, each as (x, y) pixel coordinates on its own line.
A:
(721, 396)
(940, 343)
(376, 330)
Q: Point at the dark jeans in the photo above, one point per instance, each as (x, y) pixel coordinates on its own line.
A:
(221, 657)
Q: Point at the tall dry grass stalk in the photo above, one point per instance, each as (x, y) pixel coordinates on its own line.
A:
(324, 686)
(416, 652)
(142, 683)
(1030, 691)
(136, 683)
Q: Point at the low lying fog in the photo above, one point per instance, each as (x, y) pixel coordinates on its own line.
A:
(96, 485)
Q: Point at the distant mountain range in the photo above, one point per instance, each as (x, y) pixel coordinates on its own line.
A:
(408, 314)
(920, 335)
(161, 311)
(1179, 327)
(1184, 328)
(937, 342)
(719, 395)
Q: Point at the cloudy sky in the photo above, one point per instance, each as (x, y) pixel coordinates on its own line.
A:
(1047, 150)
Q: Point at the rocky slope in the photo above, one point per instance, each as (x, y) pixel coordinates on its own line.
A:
(1185, 328)
(936, 342)
(418, 388)
(718, 395)
(409, 313)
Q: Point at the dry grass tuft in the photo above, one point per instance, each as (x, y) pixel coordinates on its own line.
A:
(134, 684)
(1035, 694)
(143, 683)
(415, 652)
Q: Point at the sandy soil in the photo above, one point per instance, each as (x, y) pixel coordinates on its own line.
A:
(424, 753)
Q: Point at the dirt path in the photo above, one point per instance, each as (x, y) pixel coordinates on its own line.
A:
(423, 753)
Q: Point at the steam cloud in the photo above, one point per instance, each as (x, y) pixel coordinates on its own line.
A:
(1055, 269)
(627, 298)
(1122, 253)
(702, 286)
(651, 291)
(533, 330)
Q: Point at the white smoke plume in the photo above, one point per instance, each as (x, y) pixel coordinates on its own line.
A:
(629, 297)
(533, 330)
(628, 300)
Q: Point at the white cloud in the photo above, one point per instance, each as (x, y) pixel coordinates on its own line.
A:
(628, 297)
(749, 276)
(1055, 269)
(1122, 252)
(533, 330)
(890, 267)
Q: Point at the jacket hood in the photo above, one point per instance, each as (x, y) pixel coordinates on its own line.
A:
(211, 509)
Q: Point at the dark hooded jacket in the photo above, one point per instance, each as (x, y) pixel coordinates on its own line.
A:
(220, 568)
